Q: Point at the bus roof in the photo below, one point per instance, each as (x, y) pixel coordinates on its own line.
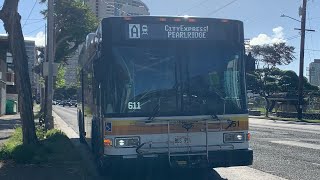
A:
(172, 19)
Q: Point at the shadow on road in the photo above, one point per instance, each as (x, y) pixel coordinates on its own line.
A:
(9, 123)
(145, 171)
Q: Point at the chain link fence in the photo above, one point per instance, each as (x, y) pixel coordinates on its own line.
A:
(284, 105)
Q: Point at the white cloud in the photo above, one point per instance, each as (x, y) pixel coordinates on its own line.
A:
(276, 37)
(40, 38)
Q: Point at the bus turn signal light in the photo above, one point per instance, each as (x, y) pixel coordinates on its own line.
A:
(248, 137)
(107, 142)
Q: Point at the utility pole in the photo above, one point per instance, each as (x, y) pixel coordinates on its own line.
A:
(301, 77)
(49, 118)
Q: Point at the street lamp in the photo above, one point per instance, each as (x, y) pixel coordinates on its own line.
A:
(283, 15)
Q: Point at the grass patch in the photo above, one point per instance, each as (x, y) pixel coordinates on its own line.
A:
(53, 147)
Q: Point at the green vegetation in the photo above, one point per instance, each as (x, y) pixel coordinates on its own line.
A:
(264, 81)
(60, 81)
(73, 21)
(48, 150)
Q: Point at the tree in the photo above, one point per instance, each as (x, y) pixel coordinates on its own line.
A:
(11, 21)
(270, 56)
(264, 82)
(276, 82)
(73, 21)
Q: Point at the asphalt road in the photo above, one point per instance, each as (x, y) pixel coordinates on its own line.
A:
(282, 150)
(286, 149)
(69, 115)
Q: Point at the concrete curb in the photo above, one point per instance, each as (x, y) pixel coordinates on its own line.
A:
(64, 127)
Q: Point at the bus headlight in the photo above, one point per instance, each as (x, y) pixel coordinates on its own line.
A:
(234, 137)
(127, 142)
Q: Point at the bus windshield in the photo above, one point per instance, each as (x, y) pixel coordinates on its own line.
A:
(182, 79)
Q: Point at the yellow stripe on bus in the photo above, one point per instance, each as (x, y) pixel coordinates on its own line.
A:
(136, 127)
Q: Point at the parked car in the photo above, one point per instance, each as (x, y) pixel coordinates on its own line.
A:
(72, 103)
(62, 103)
(58, 102)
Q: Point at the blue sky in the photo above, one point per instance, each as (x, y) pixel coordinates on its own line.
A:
(261, 19)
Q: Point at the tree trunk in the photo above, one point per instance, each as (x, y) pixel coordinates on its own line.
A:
(11, 20)
(267, 106)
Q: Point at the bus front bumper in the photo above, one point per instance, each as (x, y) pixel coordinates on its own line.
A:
(226, 158)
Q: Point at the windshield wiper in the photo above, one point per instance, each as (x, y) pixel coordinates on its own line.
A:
(155, 112)
(214, 116)
(228, 121)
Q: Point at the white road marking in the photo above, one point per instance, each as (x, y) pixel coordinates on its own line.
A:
(245, 173)
(284, 128)
(316, 164)
(299, 144)
(282, 125)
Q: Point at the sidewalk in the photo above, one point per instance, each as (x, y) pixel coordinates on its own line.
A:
(83, 149)
(7, 126)
(65, 162)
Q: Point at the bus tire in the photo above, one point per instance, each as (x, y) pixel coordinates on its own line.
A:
(102, 168)
(95, 142)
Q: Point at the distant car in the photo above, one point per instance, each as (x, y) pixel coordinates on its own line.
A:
(72, 103)
(58, 101)
(62, 103)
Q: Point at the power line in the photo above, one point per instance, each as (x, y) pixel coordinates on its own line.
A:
(36, 19)
(317, 50)
(195, 6)
(293, 37)
(311, 36)
(30, 13)
(219, 9)
(35, 30)
(34, 22)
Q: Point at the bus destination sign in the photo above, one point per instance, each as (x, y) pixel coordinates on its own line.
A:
(166, 32)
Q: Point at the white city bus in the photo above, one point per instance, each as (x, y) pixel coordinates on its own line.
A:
(166, 89)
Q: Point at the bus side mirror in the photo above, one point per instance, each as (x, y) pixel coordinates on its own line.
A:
(250, 63)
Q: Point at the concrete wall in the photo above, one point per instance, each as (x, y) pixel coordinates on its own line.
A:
(3, 71)
(2, 98)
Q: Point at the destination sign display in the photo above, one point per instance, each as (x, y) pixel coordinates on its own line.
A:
(167, 32)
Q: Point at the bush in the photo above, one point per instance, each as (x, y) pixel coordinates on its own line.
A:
(14, 141)
(50, 142)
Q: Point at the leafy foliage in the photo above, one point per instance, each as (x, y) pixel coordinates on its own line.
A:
(60, 81)
(47, 150)
(270, 81)
(73, 21)
(275, 54)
